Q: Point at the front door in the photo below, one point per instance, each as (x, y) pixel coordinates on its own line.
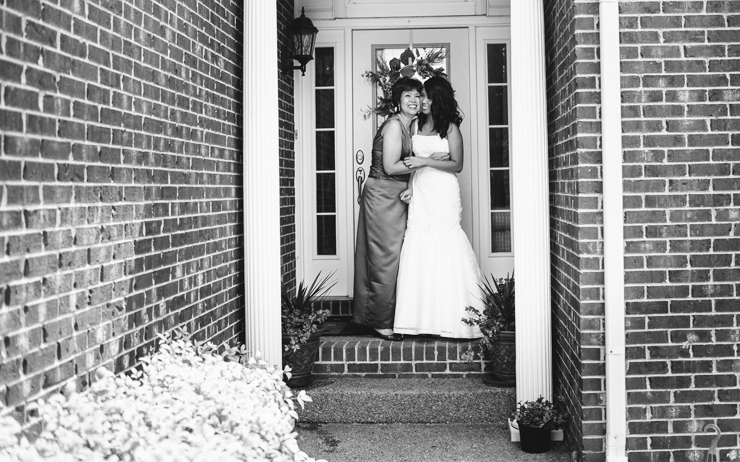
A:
(449, 47)
(339, 125)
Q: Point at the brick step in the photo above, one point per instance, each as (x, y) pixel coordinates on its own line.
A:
(415, 356)
(413, 400)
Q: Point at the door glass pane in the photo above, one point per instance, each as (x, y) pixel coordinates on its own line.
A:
(497, 63)
(325, 108)
(325, 193)
(499, 147)
(500, 190)
(326, 234)
(498, 107)
(325, 150)
(500, 232)
(324, 67)
(326, 185)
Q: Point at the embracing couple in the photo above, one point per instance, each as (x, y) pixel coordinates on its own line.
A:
(415, 271)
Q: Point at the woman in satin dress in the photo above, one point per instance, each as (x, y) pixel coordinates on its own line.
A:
(382, 220)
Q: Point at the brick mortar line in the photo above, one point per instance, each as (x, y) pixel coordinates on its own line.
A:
(87, 123)
(144, 14)
(130, 148)
(673, 239)
(110, 67)
(128, 331)
(129, 260)
(75, 291)
(6, 257)
(59, 206)
(112, 183)
(215, 95)
(64, 205)
(125, 314)
(93, 349)
(123, 148)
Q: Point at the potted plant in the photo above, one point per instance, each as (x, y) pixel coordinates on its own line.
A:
(535, 421)
(302, 323)
(497, 323)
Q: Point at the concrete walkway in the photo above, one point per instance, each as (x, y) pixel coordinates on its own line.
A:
(405, 442)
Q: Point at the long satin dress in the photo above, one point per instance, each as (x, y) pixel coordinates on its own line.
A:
(380, 230)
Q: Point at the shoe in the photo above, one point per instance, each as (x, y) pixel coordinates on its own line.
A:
(393, 337)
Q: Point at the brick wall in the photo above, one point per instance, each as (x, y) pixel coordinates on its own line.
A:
(120, 201)
(565, 228)
(681, 119)
(681, 116)
(576, 219)
(589, 234)
(285, 13)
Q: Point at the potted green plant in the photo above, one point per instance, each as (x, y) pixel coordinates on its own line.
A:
(497, 322)
(535, 421)
(302, 323)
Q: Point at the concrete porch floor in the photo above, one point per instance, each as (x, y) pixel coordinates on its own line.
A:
(404, 442)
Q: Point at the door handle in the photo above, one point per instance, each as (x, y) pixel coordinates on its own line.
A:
(360, 177)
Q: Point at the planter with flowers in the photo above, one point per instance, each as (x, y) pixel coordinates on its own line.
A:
(537, 423)
(497, 322)
(302, 322)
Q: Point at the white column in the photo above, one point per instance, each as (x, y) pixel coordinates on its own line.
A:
(261, 182)
(530, 220)
(611, 142)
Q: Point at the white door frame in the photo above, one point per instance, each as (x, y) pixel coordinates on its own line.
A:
(343, 263)
(529, 177)
(338, 33)
(458, 62)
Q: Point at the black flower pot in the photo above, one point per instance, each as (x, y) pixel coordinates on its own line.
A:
(502, 355)
(301, 361)
(534, 440)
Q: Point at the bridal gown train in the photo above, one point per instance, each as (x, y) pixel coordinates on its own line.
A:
(438, 273)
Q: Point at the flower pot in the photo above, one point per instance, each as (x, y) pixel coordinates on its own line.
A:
(555, 435)
(301, 361)
(534, 440)
(502, 355)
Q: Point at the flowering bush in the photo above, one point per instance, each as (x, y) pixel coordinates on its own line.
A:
(541, 413)
(187, 403)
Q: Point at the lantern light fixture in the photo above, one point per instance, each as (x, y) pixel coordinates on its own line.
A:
(302, 36)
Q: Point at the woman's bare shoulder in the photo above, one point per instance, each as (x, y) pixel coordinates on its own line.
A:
(392, 125)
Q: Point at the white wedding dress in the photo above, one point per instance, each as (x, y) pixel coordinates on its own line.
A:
(438, 274)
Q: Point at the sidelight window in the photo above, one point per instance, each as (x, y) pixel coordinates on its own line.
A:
(326, 174)
(498, 143)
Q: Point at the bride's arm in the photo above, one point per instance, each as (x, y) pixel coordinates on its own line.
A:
(453, 164)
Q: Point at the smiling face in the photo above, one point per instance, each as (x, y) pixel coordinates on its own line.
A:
(410, 102)
(426, 103)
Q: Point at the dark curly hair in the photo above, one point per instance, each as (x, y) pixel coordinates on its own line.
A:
(402, 85)
(444, 105)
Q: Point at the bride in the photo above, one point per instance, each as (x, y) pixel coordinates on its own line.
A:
(438, 273)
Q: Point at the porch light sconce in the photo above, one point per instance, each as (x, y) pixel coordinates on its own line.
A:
(302, 36)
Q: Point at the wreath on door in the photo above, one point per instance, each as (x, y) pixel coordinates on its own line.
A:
(408, 64)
